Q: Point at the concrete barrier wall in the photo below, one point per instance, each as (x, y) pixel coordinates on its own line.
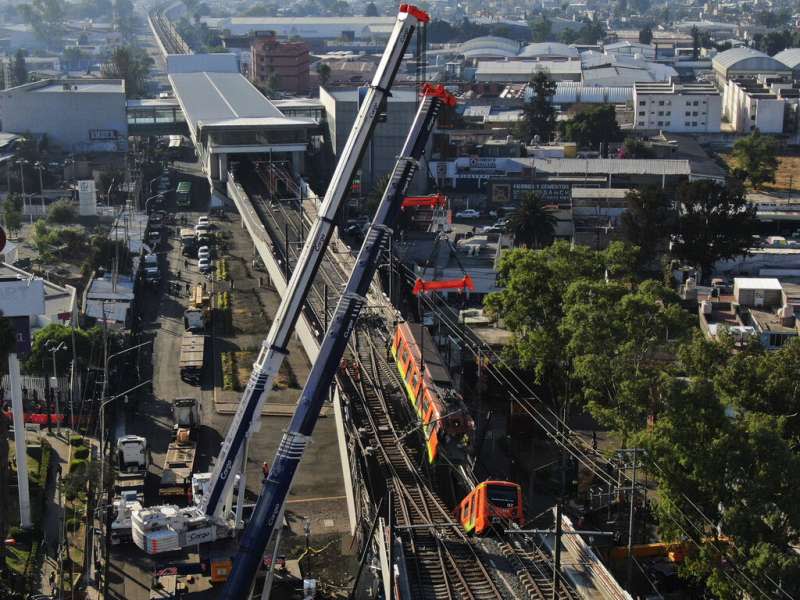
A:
(303, 329)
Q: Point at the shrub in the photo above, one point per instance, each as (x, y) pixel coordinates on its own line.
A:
(76, 465)
(76, 440)
(61, 211)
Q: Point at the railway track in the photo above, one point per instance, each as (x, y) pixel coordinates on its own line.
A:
(441, 561)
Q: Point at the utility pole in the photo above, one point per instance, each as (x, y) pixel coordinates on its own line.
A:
(635, 454)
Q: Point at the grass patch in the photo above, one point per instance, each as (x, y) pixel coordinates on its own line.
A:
(230, 375)
(285, 379)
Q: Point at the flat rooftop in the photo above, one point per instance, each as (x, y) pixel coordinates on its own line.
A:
(82, 86)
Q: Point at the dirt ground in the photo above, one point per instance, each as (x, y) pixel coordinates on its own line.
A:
(787, 177)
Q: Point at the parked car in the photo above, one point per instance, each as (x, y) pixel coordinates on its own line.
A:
(203, 252)
(205, 265)
(203, 221)
(469, 213)
(493, 229)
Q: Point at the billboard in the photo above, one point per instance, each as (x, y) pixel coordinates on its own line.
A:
(87, 198)
(550, 192)
(21, 297)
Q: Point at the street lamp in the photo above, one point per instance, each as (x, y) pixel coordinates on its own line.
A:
(22, 162)
(147, 201)
(53, 348)
(39, 166)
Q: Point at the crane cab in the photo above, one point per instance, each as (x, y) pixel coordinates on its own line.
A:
(490, 501)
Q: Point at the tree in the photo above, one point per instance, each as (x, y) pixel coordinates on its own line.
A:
(646, 35)
(715, 222)
(739, 471)
(531, 303)
(541, 29)
(596, 127)
(125, 18)
(647, 222)
(12, 213)
(273, 83)
(61, 211)
(130, 64)
(539, 116)
(755, 158)
(72, 55)
(324, 72)
(635, 148)
(695, 42)
(533, 223)
(371, 10)
(47, 18)
(20, 70)
(616, 339)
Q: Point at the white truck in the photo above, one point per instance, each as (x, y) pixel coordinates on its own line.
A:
(133, 458)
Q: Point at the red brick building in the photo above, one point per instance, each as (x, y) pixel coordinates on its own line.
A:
(289, 61)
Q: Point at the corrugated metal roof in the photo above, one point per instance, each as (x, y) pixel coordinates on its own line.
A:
(490, 42)
(549, 49)
(212, 97)
(518, 67)
(570, 92)
(614, 166)
(789, 57)
(734, 56)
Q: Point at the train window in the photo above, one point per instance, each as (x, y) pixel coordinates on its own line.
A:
(502, 496)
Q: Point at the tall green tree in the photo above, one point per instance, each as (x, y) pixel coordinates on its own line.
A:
(695, 42)
(533, 223)
(371, 10)
(755, 158)
(12, 213)
(19, 70)
(618, 336)
(646, 35)
(324, 71)
(539, 116)
(596, 127)
(130, 64)
(715, 222)
(647, 222)
(531, 303)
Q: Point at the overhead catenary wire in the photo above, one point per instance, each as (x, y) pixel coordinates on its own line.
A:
(566, 439)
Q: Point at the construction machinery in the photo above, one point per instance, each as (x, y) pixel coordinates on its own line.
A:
(270, 504)
(176, 476)
(165, 528)
(133, 459)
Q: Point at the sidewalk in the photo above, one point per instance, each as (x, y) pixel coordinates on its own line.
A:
(53, 526)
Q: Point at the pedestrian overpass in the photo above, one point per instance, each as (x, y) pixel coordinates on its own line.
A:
(156, 116)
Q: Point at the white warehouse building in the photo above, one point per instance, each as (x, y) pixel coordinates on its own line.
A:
(78, 115)
(677, 108)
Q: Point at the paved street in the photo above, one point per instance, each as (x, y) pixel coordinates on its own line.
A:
(318, 491)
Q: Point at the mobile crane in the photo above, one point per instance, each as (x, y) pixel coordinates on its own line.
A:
(276, 485)
(165, 528)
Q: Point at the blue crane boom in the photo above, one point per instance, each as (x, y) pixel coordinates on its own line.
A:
(276, 485)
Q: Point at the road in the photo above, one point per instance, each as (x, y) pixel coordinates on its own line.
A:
(318, 489)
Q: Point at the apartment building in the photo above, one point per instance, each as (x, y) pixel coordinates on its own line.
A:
(761, 103)
(677, 108)
(284, 64)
